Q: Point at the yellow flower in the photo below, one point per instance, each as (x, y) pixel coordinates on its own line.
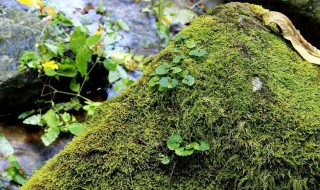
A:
(49, 65)
(38, 4)
(99, 31)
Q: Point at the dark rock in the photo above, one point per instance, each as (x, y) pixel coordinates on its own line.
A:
(19, 31)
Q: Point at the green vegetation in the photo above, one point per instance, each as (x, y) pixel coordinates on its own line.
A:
(265, 139)
(53, 61)
(167, 75)
(65, 56)
(70, 59)
(174, 143)
(14, 172)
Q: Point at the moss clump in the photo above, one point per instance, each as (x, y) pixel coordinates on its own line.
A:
(267, 139)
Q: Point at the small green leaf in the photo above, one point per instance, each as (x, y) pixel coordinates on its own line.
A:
(61, 48)
(67, 72)
(7, 173)
(51, 118)
(49, 72)
(190, 44)
(18, 178)
(176, 70)
(110, 65)
(25, 114)
(198, 53)
(113, 76)
(93, 40)
(61, 19)
(66, 117)
(63, 67)
(77, 40)
(124, 26)
(163, 69)
(52, 48)
(118, 86)
(83, 57)
(5, 146)
(91, 107)
(15, 172)
(168, 82)
(13, 161)
(74, 86)
(74, 103)
(174, 141)
(202, 146)
(184, 73)
(50, 135)
(173, 83)
(178, 58)
(28, 56)
(181, 37)
(175, 50)
(32, 120)
(182, 151)
(161, 88)
(77, 128)
(164, 81)
(188, 80)
(165, 160)
(154, 81)
(192, 145)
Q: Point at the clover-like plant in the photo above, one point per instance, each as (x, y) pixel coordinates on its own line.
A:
(174, 144)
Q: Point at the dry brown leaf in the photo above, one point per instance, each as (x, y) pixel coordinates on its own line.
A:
(289, 32)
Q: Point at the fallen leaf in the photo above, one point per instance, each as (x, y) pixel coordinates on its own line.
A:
(289, 32)
(50, 11)
(88, 8)
(33, 3)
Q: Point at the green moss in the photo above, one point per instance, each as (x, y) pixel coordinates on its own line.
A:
(268, 139)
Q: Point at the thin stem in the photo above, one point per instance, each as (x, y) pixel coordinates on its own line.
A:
(174, 166)
(67, 93)
(193, 6)
(85, 77)
(160, 15)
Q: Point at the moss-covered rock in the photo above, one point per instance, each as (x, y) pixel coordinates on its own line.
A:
(260, 138)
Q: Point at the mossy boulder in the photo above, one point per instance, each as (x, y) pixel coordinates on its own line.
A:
(262, 135)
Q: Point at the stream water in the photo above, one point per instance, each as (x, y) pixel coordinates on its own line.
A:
(142, 39)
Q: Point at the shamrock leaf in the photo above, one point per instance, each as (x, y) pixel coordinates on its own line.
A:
(188, 80)
(198, 53)
(168, 82)
(176, 70)
(174, 141)
(178, 58)
(190, 44)
(163, 69)
(154, 81)
(182, 151)
(202, 146)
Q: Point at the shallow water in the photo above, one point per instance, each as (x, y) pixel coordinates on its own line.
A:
(28, 148)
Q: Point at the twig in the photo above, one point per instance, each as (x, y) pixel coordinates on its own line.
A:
(85, 77)
(193, 6)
